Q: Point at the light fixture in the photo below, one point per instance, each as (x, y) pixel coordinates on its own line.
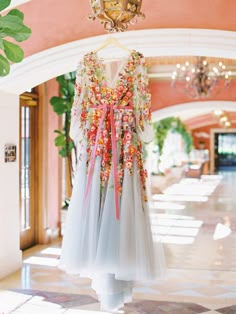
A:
(200, 79)
(218, 112)
(116, 15)
(222, 118)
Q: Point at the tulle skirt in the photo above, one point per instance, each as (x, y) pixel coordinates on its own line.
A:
(112, 253)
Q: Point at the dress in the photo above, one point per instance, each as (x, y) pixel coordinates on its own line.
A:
(107, 235)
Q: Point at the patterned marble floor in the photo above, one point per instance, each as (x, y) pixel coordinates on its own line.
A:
(195, 220)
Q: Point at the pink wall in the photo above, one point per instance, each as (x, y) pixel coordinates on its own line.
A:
(54, 161)
(163, 95)
(56, 22)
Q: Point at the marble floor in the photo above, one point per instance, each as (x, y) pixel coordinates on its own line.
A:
(196, 222)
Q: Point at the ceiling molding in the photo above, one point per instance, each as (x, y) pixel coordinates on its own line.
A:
(189, 110)
(50, 63)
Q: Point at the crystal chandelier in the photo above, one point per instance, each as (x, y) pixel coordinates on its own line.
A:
(116, 15)
(201, 78)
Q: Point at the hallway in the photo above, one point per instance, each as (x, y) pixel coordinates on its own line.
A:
(196, 221)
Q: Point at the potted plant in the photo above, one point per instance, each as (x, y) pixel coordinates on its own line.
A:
(62, 105)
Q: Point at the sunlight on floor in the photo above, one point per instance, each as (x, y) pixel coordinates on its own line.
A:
(174, 240)
(177, 229)
(179, 198)
(192, 189)
(221, 231)
(166, 205)
(37, 260)
(187, 190)
(51, 251)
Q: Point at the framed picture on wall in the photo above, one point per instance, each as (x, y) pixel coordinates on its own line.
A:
(10, 152)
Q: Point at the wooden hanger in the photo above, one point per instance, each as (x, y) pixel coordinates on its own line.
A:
(112, 41)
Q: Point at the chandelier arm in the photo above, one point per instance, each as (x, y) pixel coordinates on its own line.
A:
(139, 7)
(125, 5)
(108, 20)
(102, 6)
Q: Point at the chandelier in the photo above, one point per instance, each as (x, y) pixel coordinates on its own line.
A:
(200, 79)
(222, 118)
(116, 15)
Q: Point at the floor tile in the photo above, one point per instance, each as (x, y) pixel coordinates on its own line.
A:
(211, 312)
(11, 300)
(228, 310)
(158, 307)
(63, 300)
(37, 309)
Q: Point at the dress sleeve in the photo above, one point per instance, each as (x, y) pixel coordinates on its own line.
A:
(143, 106)
(78, 111)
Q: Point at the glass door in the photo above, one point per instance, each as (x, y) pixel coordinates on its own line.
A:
(28, 166)
(225, 151)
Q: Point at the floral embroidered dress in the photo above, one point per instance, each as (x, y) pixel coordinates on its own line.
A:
(107, 236)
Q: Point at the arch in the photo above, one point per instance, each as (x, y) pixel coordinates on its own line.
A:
(15, 3)
(188, 110)
(50, 63)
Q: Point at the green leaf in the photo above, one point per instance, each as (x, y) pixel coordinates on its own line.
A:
(61, 80)
(19, 35)
(64, 91)
(71, 88)
(71, 146)
(60, 140)
(58, 132)
(13, 52)
(63, 152)
(4, 4)
(1, 43)
(17, 13)
(12, 26)
(10, 22)
(59, 105)
(4, 66)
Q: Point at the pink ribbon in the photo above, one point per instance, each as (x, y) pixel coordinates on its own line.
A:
(105, 108)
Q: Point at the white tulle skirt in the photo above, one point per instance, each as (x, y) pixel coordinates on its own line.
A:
(112, 253)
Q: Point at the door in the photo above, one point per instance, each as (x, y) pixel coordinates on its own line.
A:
(28, 168)
(225, 151)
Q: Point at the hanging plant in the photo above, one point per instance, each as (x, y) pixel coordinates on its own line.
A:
(186, 136)
(62, 106)
(162, 127)
(12, 26)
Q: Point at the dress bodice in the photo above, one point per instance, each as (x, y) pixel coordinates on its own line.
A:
(110, 115)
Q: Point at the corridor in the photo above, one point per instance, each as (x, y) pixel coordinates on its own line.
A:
(196, 221)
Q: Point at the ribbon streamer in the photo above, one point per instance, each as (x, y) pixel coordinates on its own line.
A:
(105, 108)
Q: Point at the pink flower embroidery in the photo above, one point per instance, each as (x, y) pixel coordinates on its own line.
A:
(128, 136)
(129, 148)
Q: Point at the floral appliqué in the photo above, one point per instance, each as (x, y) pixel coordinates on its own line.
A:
(127, 106)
